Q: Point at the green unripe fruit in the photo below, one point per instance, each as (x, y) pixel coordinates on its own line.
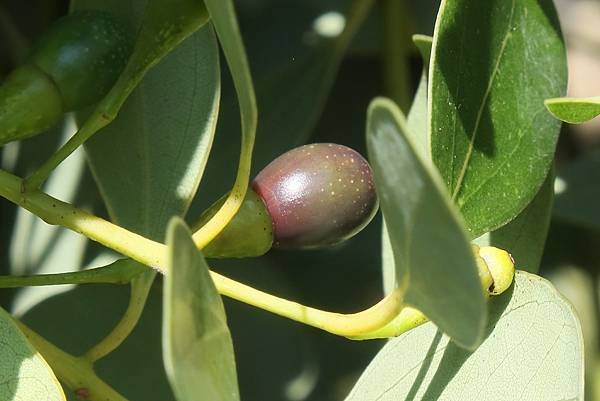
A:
(249, 233)
(73, 65)
(312, 196)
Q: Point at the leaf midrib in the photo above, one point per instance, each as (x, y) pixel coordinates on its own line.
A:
(484, 101)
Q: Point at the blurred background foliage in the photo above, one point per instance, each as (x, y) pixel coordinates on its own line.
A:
(314, 81)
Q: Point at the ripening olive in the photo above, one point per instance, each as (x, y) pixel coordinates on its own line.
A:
(312, 196)
(73, 65)
(317, 195)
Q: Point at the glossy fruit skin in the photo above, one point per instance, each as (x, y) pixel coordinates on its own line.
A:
(74, 64)
(317, 195)
(84, 53)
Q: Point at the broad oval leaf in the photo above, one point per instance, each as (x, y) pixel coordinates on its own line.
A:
(432, 255)
(149, 161)
(574, 110)
(24, 374)
(493, 64)
(197, 346)
(534, 351)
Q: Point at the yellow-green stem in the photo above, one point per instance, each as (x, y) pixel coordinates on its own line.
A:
(140, 287)
(114, 273)
(76, 373)
(225, 23)
(407, 319)
(348, 325)
(153, 254)
(56, 212)
(98, 120)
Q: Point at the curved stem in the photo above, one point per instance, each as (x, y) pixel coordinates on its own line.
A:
(114, 273)
(347, 325)
(224, 21)
(76, 373)
(56, 212)
(407, 319)
(154, 254)
(140, 287)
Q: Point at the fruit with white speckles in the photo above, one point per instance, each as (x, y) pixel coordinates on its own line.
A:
(73, 65)
(312, 196)
(317, 195)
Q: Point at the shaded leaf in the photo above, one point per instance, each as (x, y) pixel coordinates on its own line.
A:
(293, 66)
(533, 352)
(433, 258)
(574, 110)
(96, 309)
(493, 64)
(524, 237)
(197, 346)
(416, 125)
(148, 164)
(149, 161)
(24, 374)
(578, 192)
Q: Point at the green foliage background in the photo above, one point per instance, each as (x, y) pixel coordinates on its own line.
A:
(309, 89)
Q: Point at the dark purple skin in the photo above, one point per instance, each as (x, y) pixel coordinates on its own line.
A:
(317, 195)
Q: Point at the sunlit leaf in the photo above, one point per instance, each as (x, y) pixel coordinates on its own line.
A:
(417, 116)
(24, 374)
(574, 110)
(433, 258)
(493, 64)
(197, 346)
(533, 352)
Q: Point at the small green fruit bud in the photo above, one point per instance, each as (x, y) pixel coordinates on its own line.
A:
(74, 64)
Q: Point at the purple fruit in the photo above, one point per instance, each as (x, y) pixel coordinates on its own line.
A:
(317, 195)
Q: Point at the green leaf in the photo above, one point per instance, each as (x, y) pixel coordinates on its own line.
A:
(434, 260)
(524, 237)
(96, 309)
(388, 267)
(416, 125)
(149, 161)
(197, 346)
(25, 375)
(574, 110)
(578, 191)
(493, 64)
(533, 352)
(417, 116)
